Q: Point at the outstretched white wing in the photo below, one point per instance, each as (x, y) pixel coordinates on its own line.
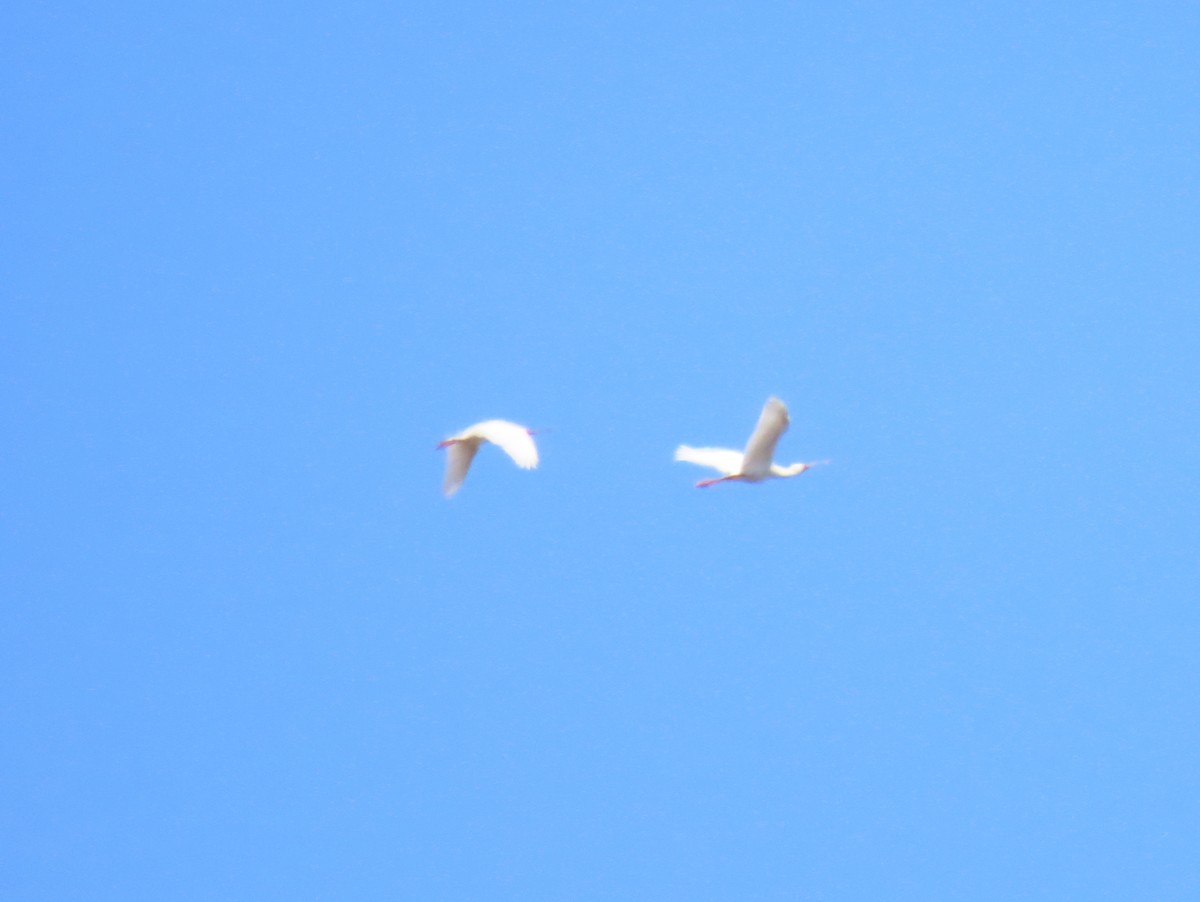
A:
(514, 440)
(458, 460)
(760, 450)
(725, 461)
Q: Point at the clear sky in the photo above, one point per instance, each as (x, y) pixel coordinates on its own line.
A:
(260, 258)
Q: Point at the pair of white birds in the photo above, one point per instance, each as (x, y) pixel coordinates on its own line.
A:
(752, 465)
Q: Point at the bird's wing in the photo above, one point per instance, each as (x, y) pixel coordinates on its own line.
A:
(458, 460)
(513, 440)
(724, 460)
(761, 448)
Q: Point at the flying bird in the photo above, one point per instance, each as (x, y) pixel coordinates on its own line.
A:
(754, 464)
(514, 440)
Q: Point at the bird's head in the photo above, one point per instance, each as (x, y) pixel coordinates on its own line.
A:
(797, 469)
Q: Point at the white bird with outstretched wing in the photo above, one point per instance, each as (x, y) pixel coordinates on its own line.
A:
(514, 440)
(755, 463)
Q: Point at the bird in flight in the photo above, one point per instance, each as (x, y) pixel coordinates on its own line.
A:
(754, 464)
(514, 440)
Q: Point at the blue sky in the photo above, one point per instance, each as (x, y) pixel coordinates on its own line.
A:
(262, 258)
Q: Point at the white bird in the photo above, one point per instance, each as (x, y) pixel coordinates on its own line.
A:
(754, 464)
(515, 441)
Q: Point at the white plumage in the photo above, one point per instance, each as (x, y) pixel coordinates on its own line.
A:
(755, 463)
(514, 440)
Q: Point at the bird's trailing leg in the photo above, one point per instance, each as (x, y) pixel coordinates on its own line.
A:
(705, 483)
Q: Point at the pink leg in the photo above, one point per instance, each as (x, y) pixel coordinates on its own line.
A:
(705, 483)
